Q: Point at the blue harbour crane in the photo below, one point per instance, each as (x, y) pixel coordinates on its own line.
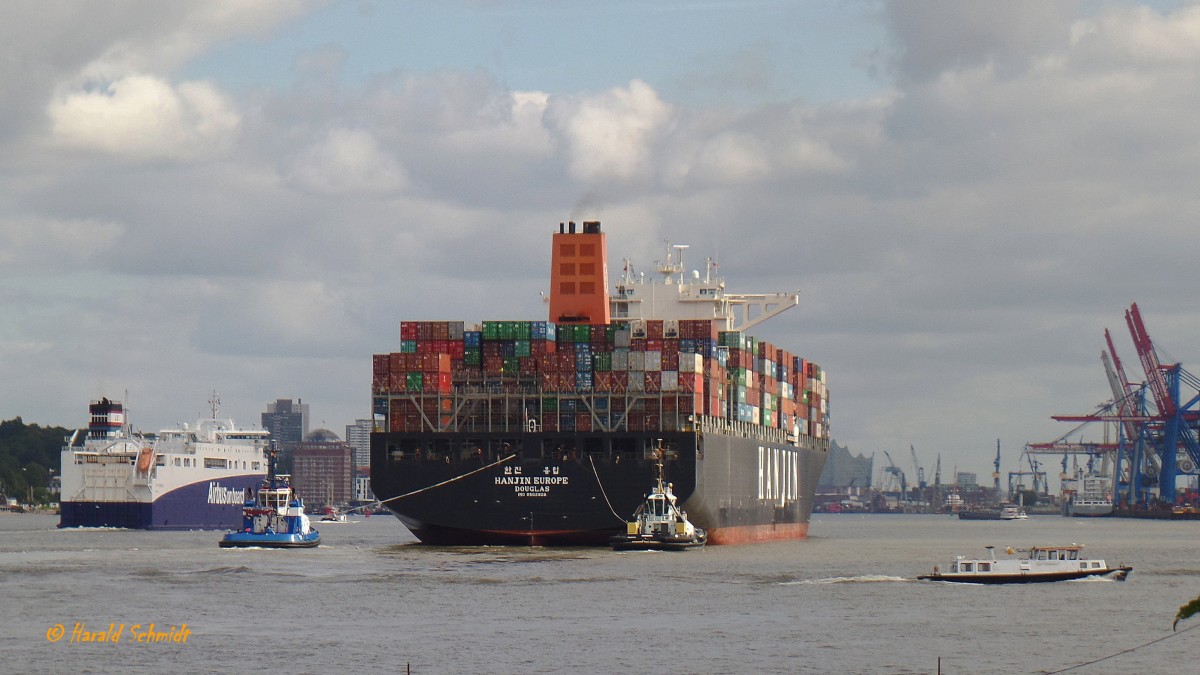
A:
(1157, 423)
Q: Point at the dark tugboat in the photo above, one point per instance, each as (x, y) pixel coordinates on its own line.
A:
(659, 524)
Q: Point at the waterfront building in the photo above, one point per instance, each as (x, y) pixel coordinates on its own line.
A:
(322, 471)
(358, 435)
(287, 421)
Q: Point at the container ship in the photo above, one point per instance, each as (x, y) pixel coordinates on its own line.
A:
(551, 432)
(189, 478)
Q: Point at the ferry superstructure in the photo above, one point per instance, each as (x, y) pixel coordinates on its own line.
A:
(547, 432)
(191, 477)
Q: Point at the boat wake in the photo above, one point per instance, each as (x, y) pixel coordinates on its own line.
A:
(864, 579)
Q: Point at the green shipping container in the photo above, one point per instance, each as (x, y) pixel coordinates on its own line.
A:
(414, 382)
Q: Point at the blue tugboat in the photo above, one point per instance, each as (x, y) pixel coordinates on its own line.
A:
(274, 518)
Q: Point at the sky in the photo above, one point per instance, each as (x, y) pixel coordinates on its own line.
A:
(248, 198)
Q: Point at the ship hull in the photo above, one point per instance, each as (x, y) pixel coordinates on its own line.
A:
(556, 489)
(197, 506)
(1090, 510)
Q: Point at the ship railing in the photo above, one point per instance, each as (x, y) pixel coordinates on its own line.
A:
(760, 432)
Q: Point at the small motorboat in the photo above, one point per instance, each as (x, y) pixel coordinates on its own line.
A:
(274, 518)
(333, 516)
(1010, 512)
(1032, 565)
(659, 524)
(1004, 512)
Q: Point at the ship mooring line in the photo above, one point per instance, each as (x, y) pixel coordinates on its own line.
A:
(602, 491)
(447, 481)
(1123, 651)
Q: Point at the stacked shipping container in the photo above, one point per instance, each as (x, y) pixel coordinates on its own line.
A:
(641, 376)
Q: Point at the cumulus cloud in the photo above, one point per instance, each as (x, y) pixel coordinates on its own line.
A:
(960, 237)
(145, 117)
(349, 161)
(611, 135)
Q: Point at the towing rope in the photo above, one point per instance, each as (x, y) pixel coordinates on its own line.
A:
(447, 481)
(602, 492)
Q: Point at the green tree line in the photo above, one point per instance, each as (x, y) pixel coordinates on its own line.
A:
(28, 455)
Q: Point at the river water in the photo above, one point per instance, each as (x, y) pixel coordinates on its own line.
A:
(371, 599)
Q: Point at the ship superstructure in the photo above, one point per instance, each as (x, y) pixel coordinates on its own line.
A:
(191, 477)
(546, 432)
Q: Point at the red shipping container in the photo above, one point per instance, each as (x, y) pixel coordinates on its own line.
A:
(602, 381)
(653, 380)
(670, 358)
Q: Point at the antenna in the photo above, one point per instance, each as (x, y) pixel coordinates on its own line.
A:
(214, 402)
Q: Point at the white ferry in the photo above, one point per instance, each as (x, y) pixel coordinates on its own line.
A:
(194, 477)
(1034, 564)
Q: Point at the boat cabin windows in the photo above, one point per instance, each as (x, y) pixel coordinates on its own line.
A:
(985, 567)
(1054, 554)
(966, 567)
(215, 463)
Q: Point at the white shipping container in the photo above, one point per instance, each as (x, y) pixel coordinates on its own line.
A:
(620, 359)
(637, 379)
(637, 361)
(670, 380)
(653, 361)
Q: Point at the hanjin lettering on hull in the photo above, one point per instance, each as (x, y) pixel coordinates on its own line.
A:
(778, 474)
(532, 486)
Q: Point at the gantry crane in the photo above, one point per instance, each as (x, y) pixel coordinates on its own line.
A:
(1158, 439)
(1176, 432)
(895, 471)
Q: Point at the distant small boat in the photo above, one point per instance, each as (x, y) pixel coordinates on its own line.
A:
(274, 518)
(659, 524)
(1033, 565)
(333, 516)
(1006, 512)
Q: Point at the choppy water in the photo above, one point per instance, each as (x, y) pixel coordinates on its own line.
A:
(371, 599)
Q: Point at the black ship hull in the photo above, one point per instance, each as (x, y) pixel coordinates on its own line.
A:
(561, 488)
